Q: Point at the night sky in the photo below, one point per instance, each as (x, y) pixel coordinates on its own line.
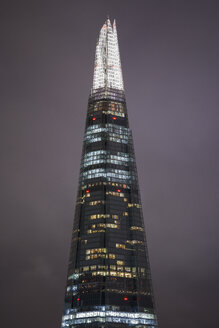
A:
(169, 53)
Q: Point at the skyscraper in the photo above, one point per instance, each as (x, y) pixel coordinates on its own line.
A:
(109, 282)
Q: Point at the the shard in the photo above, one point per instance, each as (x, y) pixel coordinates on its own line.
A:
(109, 280)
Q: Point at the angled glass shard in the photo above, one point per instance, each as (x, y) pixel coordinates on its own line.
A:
(109, 279)
(107, 68)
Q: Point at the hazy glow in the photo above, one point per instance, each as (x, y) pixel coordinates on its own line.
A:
(108, 316)
(107, 68)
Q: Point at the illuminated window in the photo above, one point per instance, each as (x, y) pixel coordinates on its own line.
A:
(104, 216)
(114, 193)
(81, 199)
(136, 228)
(103, 267)
(86, 268)
(105, 225)
(134, 205)
(97, 202)
(120, 246)
(133, 242)
(96, 250)
(109, 174)
(128, 318)
(112, 226)
(113, 273)
(96, 256)
(114, 112)
(99, 216)
(98, 253)
(103, 156)
(119, 268)
(95, 231)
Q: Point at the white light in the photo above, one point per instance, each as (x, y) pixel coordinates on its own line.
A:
(73, 276)
(107, 69)
(125, 315)
(120, 175)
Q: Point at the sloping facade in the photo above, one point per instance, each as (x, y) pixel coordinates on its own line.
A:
(109, 281)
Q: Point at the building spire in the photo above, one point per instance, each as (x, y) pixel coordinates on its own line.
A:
(107, 68)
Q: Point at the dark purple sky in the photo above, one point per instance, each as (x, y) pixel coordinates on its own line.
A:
(169, 51)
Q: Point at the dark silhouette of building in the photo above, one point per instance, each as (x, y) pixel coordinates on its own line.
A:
(109, 281)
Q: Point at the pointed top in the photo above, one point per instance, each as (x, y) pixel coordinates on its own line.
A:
(114, 26)
(108, 22)
(107, 70)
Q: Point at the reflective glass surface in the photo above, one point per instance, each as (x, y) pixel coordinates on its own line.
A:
(109, 281)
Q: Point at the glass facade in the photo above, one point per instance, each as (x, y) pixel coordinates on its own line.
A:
(109, 281)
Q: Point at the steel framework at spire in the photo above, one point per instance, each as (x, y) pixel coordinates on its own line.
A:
(107, 68)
